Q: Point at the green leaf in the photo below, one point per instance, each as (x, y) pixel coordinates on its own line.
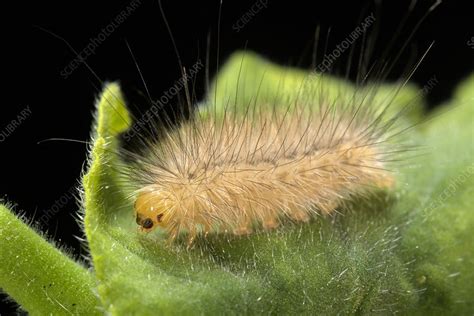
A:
(41, 278)
(385, 255)
(438, 202)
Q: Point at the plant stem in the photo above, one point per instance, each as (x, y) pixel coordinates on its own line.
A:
(38, 276)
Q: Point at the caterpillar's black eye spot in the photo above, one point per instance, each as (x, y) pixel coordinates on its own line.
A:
(147, 223)
(159, 217)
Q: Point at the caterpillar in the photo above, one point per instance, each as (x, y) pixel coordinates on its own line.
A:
(234, 170)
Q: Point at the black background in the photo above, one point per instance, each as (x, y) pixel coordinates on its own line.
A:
(34, 176)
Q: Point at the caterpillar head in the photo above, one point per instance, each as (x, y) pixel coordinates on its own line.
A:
(150, 211)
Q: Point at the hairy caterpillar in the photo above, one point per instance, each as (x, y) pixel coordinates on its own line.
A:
(228, 169)
(261, 167)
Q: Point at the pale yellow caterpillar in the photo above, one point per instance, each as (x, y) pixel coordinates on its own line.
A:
(232, 171)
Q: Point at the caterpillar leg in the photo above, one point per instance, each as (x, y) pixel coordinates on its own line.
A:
(270, 222)
(242, 231)
(299, 216)
(245, 228)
